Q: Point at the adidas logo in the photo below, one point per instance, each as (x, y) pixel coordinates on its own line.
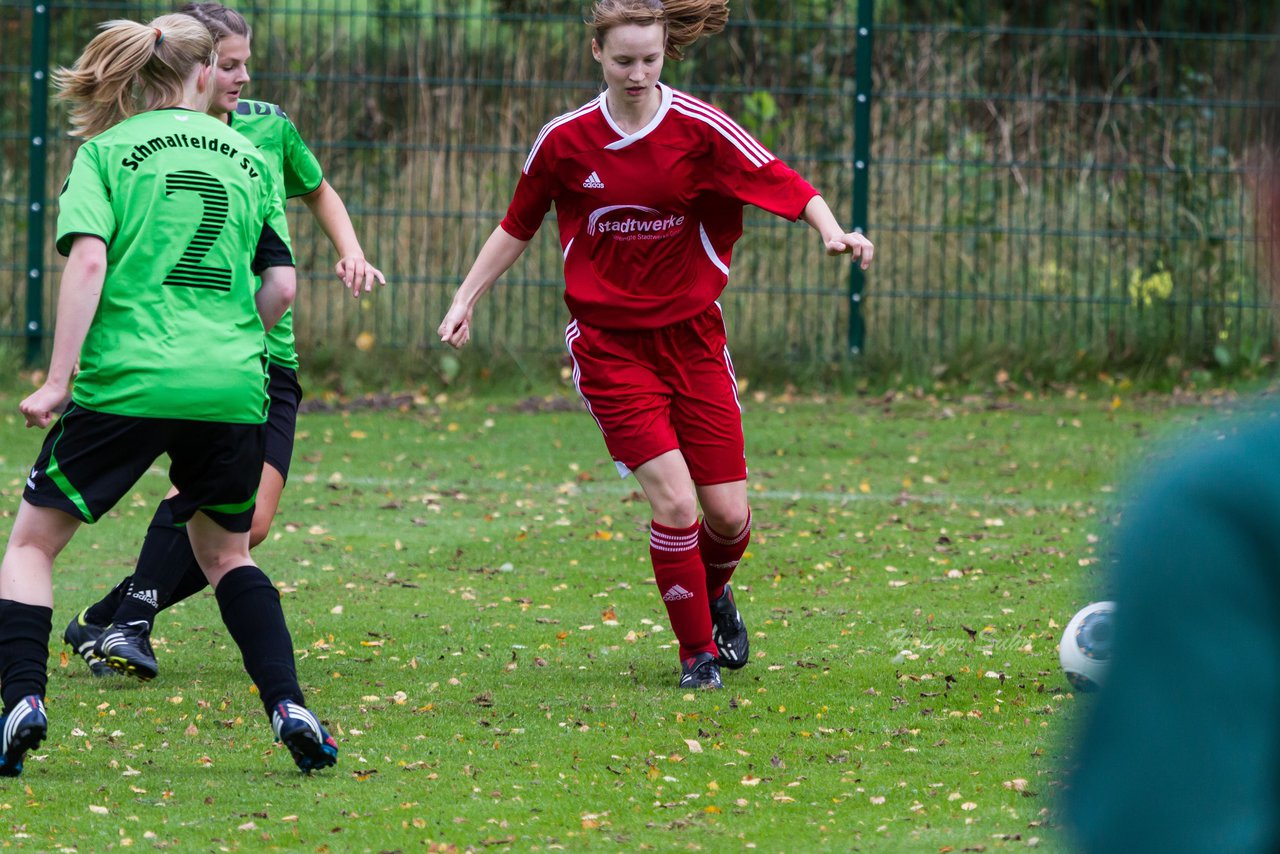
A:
(31, 479)
(676, 594)
(593, 182)
(151, 597)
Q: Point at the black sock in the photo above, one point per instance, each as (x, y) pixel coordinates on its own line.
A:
(191, 583)
(166, 567)
(251, 610)
(24, 650)
(100, 613)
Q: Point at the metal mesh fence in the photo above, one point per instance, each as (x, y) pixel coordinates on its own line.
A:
(1069, 190)
(1045, 179)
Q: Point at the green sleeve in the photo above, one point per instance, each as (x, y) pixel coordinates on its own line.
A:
(1182, 750)
(84, 206)
(302, 172)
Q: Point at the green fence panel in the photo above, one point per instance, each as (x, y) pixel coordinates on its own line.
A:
(1060, 179)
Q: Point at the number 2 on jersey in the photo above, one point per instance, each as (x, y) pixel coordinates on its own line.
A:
(189, 272)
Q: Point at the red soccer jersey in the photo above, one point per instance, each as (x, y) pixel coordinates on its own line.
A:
(648, 220)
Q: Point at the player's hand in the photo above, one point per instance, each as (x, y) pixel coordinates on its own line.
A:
(41, 405)
(855, 245)
(455, 329)
(358, 275)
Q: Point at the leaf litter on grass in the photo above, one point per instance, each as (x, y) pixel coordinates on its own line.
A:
(470, 596)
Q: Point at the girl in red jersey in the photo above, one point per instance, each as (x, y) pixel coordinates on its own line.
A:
(644, 262)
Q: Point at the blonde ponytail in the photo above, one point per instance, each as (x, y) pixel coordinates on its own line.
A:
(130, 68)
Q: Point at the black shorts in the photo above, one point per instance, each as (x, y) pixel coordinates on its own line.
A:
(90, 460)
(282, 417)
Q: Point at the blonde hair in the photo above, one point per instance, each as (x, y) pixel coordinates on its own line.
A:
(130, 68)
(684, 21)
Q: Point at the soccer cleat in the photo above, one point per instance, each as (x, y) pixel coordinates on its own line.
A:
(309, 742)
(21, 730)
(127, 648)
(701, 671)
(733, 646)
(81, 636)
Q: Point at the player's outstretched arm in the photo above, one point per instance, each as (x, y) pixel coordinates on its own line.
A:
(279, 286)
(79, 292)
(352, 268)
(837, 241)
(499, 252)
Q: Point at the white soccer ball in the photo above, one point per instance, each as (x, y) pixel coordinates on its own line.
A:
(1085, 650)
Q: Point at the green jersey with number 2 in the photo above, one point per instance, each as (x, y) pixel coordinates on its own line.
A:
(182, 202)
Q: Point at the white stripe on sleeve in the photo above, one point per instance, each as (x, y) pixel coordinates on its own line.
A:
(755, 153)
(552, 125)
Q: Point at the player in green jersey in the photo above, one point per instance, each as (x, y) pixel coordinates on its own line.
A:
(164, 315)
(166, 572)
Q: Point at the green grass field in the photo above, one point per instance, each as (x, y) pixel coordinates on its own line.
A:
(468, 587)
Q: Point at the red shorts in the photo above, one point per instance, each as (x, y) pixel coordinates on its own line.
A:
(659, 390)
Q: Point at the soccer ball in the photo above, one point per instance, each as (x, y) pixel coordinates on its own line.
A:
(1085, 650)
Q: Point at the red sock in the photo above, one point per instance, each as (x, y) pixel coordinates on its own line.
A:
(682, 583)
(720, 555)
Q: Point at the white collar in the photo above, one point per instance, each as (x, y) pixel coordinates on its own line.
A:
(628, 138)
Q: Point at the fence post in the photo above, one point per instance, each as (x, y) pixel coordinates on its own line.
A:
(861, 166)
(36, 180)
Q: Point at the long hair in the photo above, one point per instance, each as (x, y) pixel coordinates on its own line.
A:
(130, 68)
(218, 19)
(685, 21)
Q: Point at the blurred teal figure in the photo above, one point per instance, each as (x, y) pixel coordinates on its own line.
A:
(1181, 751)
